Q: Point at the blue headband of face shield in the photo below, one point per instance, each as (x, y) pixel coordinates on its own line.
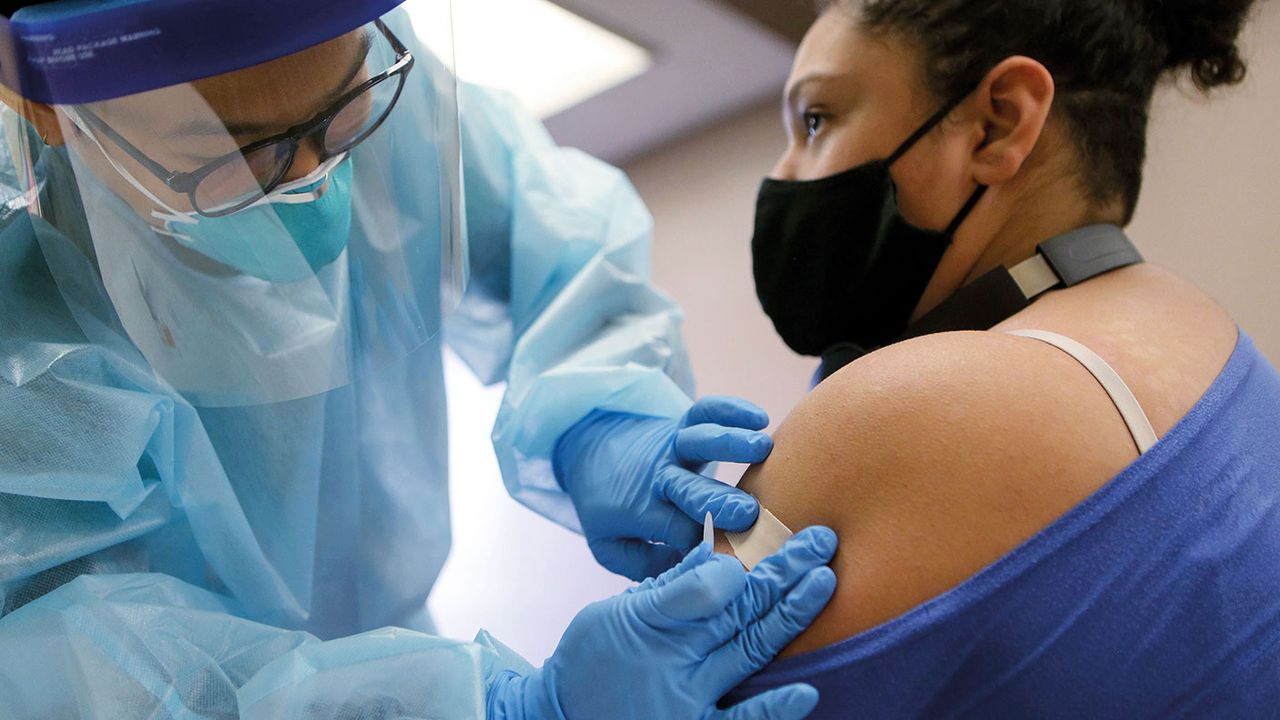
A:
(82, 51)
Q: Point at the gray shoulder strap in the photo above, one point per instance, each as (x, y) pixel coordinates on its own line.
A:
(1088, 252)
(1072, 258)
(1144, 435)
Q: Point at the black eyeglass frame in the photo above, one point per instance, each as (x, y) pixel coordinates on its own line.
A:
(187, 182)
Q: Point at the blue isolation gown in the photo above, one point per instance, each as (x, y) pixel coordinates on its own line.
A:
(161, 560)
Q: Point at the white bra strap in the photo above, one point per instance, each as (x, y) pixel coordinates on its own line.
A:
(1144, 436)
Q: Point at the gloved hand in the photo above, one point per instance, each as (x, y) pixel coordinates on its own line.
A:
(672, 647)
(635, 480)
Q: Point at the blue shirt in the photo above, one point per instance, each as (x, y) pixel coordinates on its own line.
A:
(1158, 596)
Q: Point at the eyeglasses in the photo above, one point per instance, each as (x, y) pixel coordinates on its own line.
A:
(240, 178)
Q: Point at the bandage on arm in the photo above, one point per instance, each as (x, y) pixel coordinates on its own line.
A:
(763, 539)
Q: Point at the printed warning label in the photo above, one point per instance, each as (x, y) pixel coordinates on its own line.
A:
(47, 51)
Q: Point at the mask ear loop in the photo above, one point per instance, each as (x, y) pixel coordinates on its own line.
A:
(934, 121)
(964, 213)
(926, 128)
(80, 124)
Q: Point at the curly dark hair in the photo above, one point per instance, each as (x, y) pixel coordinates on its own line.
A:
(1106, 58)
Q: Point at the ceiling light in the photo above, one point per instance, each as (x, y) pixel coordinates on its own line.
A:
(548, 57)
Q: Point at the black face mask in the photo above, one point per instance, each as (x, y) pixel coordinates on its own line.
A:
(835, 261)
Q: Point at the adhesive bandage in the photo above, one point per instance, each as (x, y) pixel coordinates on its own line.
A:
(762, 540)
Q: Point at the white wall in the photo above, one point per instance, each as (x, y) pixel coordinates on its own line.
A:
(1210, 211)
(1211, 204)
(511, 572)
(702, 194)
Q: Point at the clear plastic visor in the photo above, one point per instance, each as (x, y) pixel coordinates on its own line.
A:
(274, 232)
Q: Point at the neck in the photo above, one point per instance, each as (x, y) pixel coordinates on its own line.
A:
(1016, 238)
(1005, 230)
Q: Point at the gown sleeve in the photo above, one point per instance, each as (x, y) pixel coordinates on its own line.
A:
(560, 304)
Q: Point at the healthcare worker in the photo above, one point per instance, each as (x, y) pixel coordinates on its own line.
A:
(232, 243)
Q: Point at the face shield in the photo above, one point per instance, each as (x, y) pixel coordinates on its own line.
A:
(272, 208)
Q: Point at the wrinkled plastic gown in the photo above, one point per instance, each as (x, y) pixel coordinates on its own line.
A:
(162, 560)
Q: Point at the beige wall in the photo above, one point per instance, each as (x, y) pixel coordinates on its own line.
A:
(1210, 210)
(702, 194)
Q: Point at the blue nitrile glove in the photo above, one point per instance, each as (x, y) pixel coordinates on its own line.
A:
(672, 647)
(636, 485)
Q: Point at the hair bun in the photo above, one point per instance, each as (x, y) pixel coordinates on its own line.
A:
(1202, 35)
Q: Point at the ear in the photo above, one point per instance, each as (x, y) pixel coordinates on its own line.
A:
(43, 117)
(1014, 104)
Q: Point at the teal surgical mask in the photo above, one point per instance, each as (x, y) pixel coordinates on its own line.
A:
(285, 237)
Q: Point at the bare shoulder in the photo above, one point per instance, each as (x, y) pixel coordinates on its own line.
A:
(935, 457)
(1166, 338)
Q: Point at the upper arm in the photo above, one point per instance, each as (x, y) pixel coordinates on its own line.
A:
(933, 458)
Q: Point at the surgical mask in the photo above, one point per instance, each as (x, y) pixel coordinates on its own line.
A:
(836, 262)
(285, 237)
